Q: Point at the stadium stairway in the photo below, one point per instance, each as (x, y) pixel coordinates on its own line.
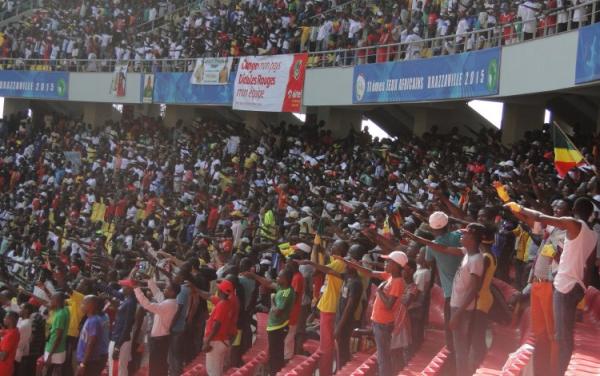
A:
(510, 354)
(585, 360)
(421, 360)
(253, 360)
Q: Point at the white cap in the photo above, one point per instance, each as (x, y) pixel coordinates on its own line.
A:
(398, 257)
(438, 220)
(303, 247)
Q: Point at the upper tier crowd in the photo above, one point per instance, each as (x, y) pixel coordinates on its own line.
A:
(139, 244)
(100, 29)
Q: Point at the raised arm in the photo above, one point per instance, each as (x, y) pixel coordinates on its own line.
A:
(454, 210)
(322, 268)
(570, 224)
(262, 280)
(361, 269)
(454, 251)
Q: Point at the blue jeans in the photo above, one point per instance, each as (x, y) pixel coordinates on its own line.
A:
(565, 309)
(462, 342)
(478, 345)
(383, 338)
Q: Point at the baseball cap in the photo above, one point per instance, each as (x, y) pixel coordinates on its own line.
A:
(127, 283)
(398, 257)
(438, 220)
(303, 247)
(34, 302)
(225, 287)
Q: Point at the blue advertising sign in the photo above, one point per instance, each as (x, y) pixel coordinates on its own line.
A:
(587, 67)
(466, 75)
(34, 84)
(175, 88)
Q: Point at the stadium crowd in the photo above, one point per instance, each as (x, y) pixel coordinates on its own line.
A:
(68, 30)
(139, 244)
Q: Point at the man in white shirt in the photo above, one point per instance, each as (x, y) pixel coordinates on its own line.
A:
(24, 326)
(569, 285)
(413, 50)
(579, 13)
(323, 35)
(164, 311)
(528, 12)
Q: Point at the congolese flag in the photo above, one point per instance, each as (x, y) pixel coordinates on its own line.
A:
(566, 155)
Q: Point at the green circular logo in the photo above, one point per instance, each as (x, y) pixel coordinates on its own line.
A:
(492, 75)
(61, 88)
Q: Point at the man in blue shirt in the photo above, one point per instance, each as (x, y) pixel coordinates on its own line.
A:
(446, 264)
(120, 338)
(177, 346)
(92, 348)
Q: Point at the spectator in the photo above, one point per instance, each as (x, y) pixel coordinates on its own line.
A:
(349, 311)
(9, 343)
(92, 349)
(23, 362)
(328, 302)
(164, 310)
(220, 328)
(56, 346)
(569, 280)
(119, 347)
(297, 284)
(446, 264)
(528, 12)
(465, 289)
(282, 303)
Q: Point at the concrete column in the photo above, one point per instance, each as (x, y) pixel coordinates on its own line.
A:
(97, 114)
(150, 110)
(252, 121)
(421, 121)
(339, 121)
(175, 113)
(14, 105)
(520, 118)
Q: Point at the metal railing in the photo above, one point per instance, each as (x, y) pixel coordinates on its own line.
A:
(496, 36)
(20, 8)
(149, 26)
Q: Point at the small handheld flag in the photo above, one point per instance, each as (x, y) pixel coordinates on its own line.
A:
(566, 154)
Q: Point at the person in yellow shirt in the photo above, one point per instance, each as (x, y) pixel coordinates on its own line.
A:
(74, 305)
(304, 37)
(522, 244)
(328, 303)
(485, 300)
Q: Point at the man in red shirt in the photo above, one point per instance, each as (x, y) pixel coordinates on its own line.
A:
(8, 343)
(220, 328)
(298, 287)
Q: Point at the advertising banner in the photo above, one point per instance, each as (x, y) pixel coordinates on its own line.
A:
(118, 87)
(147, 88)
(466, 75)
(175, 88)
(212, 71)
(587, 67)
(32, 84)
(270, 83)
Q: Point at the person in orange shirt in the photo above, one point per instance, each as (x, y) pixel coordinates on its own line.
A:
(298, 286)
(388, 294)
(9, 343)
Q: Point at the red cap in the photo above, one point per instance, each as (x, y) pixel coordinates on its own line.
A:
(128, 283)
(226, 287)
(34, 302)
